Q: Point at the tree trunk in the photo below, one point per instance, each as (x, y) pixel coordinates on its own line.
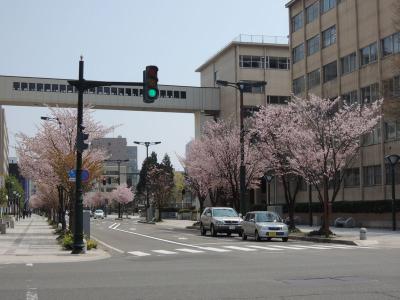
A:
(326, 222)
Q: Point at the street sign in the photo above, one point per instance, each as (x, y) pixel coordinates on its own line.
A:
(72, 175)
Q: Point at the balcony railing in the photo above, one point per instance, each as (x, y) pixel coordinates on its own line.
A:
(262, 39)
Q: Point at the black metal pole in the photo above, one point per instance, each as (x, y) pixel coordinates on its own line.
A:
(310, 205)
(242, 166)
(145, 184)
(119, 182)
(269, 193)
(78, 245)
(393, 200)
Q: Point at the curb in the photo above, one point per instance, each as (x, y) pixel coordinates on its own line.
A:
(322, 240)
(145, 222)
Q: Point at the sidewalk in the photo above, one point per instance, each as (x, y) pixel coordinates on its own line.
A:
(32, 241)
(350, 236)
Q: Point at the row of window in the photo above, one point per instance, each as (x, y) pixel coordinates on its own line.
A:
(261, 62)
(372, 175)
(63, 88)
(312, 13)
(314, 44)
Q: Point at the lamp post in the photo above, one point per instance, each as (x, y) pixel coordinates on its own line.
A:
(242, 86)
(268, 178)
(393, 160)
(147, 144)
(118, 161)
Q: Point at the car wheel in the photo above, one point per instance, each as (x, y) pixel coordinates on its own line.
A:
(203, 231)
(240, 233)
(244, 236)
(285, 239)
(213, 231)
(256, 236)
(268, 239)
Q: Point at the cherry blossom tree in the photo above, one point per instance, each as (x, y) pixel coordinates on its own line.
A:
(213, 161)
(122, 195)
(325, 138)
(47, 157)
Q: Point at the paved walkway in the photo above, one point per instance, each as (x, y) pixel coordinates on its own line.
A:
(32, 241)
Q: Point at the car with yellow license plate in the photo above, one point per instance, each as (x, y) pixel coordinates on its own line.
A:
(264, 225)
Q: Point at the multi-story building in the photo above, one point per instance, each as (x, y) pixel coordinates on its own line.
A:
(121, 163)
(350, 48)
(250, 58)
(3, 147)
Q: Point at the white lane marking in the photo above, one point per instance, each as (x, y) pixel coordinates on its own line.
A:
(313, 247)
(29, 265)
(132, 228)
(31, 294)
(107, 245)
(164, 251)
(340, 246)
(190, 250)
(111, 225)
(288, 247)
(266, 248)
(240, 248)
(139, 253)
(182, 238)
(215, 249)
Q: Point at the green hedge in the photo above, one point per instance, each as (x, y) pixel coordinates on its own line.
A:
(377, 206)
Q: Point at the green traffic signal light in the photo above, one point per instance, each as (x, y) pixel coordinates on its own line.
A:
(152, 92)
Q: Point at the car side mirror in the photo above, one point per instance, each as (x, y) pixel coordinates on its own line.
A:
(252, 221)
(208, 214)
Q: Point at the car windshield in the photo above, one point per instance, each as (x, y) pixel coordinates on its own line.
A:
(99, 211)
(267, 217)
(224, 213)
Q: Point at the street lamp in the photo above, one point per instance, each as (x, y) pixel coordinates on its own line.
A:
(51, 119)
(118, 161)
(268, 177)
(393, 160)
(147, 144)
(242, 86)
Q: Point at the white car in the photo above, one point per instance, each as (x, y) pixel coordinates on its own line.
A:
(220, 219)
(98, 213)
(264, 224)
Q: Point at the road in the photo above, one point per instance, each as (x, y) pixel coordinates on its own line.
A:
(156, 262)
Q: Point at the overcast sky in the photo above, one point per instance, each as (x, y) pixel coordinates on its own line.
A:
(117, 38)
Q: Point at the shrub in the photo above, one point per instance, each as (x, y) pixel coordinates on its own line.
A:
(184, 210)
(67, 241)
(91, 244)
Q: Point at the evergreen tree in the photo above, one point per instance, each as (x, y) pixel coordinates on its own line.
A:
(147, 164)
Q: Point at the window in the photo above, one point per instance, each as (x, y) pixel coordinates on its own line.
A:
(313, 78)
(163, 93)
(368, 54)
(16, 86)
(54, 87)
(350, 98)
(47, 87)
(169, 94)
(183, 95)
(256, 62)
(329, 36)
(70, 89)
(121, 91)
(297, 22)
(330, 71)
(370, 93)
(327, 5)
(92, 90)
(24, 86)
(312, 12)
(298, 53)
(372, 138)
(114, 91)
(298, 85)
(128, 92)
(176, 94)
(278, 63)
(63, 88)
(372, 175)
(106, 90)
(391, 87)
(278, 99)
(390, 130)
(39, 87)
(390, 44)
(348, 63)
(389, 174)
(313, 45)
(351, 177)
(135, 92)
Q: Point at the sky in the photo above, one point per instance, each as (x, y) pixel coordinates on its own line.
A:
(44, 38)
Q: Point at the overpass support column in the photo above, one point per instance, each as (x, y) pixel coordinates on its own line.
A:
(199, 119)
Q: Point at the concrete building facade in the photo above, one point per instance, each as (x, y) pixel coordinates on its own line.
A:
(350, 48)
(3, 147)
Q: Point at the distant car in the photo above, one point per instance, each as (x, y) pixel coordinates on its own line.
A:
(220, 219)
(264, 224)
(99, 213)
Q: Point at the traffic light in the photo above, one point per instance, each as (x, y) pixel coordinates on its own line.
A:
(104, 181)
(150, 84)
(80, 142)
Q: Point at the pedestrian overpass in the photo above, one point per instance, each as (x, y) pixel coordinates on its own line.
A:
(204, 102)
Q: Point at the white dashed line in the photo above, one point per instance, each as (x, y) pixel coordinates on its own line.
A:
(240, 248)
(163, 252)
(139, 253)
(189, 250)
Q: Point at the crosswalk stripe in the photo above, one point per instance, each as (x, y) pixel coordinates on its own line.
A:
(164, 251)
(240, 248)
(287, 247)
(265, 248)
(215, 249)
(139, 253)
(190, 250)
(313, 247)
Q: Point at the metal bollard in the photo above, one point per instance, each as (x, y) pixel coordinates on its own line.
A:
(2, 228)
(363, 233)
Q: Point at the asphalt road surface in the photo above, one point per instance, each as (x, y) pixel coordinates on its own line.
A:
(156, 262)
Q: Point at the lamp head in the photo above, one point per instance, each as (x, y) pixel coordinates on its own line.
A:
(392, 159)
(221, 82)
